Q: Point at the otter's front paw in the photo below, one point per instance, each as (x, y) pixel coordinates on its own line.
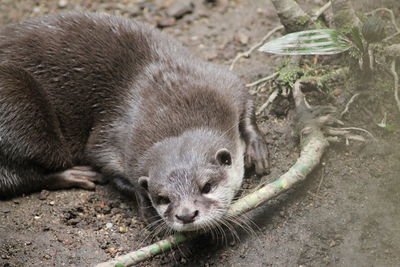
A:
(257, 155)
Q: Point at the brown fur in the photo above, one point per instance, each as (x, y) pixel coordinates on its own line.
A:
(89, 89)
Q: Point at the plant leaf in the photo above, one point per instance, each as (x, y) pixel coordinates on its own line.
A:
(312, 42)
(355, 37)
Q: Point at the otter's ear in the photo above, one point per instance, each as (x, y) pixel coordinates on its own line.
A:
(223, 157)
(144, 182)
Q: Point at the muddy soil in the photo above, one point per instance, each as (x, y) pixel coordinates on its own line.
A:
(347, 213)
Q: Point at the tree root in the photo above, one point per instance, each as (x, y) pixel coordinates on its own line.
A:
(346, 109)
(396, 83)
(322, 118)
(271, 99)
(291, 15)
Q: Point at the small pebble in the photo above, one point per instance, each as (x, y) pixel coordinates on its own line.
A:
(62, 3)
(134, 221)
(166, 22)
(36, 9)
(337, 92)
(122, 229)
(109, 225)
(211, 55)
(44, 194)
(180, 8)
(242, 38)
(111, 250)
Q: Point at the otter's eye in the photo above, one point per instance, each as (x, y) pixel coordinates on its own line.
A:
(206, 188)
(161, 200)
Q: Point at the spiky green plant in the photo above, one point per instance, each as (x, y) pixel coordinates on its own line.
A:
(312, 42)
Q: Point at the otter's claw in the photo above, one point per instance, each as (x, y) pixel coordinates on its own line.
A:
(257, 155)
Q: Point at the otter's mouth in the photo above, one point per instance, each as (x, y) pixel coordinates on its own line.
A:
(203, 224)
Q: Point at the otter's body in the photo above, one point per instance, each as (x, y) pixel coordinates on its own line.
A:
(84, 89)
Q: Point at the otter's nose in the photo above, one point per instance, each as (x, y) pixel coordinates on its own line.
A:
(187, 217)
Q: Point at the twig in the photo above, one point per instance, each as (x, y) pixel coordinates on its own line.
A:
(348, 104)
(321, 11)
(369, 114)
(322, 179)
(357, 129)
(396, 83)
(264, 79)
(390, 37)
(254, 47)
(271, 99)
(314, 195)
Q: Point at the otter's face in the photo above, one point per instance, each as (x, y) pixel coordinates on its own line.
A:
(196, 198)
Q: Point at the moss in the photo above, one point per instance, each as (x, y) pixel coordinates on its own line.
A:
(302, 20)
(289, 74)
(319, 25)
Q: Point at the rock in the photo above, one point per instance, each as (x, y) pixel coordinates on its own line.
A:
(211, 55)
(62, 3)
(111, 251)
(36, 9)
(166, 22)
(337, 92)
(242, 38)
(44, 194)
(122, 229)
(180, 8)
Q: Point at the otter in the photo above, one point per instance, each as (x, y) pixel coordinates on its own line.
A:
(87, 97)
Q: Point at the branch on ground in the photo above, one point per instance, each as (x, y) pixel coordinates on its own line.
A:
(292, 16)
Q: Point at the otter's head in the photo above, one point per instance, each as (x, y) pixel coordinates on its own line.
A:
(193, 180)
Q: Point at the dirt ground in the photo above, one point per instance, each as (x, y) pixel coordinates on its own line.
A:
(347, 213)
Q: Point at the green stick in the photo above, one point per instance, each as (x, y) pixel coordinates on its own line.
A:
(313, 145)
